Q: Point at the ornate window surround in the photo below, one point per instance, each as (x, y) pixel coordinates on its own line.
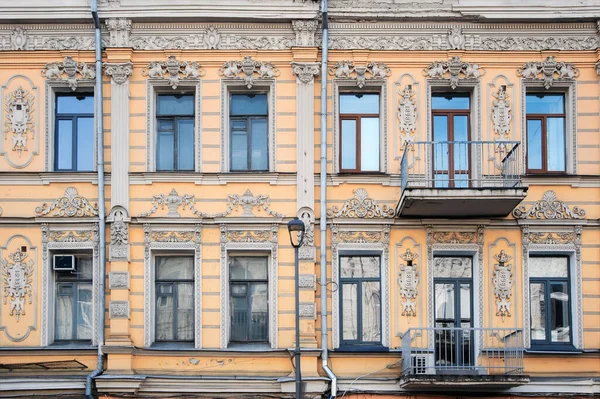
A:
(250, 247)
(67, 243)
(173, 243)
(348, 85)
(156, 86)
(61, 86)
(569, 89)
(361, 247)
(239, 86)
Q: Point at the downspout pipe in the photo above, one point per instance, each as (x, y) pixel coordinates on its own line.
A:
(323, 201)
(89, 380)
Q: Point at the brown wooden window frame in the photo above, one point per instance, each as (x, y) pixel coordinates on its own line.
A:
(357, 118)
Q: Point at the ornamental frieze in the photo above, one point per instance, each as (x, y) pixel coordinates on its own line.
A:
(360, 237)
(172, 236)
(248, 235)
(249, 70)
(548, 71)
(549, 207)
(173, 70)
(454, 237)
(502, 279)
(455, 70)
(361, 206)
(69, 71)
(17, 280)
(361, 74)
(71, 236)
(69, 205)
(552, 238)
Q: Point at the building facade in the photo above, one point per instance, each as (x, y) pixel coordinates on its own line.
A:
(458, 227)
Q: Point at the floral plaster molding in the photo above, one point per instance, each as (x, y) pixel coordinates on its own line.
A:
(173, 70)
(72, 70)
(362, 207)
(408, 280)
(173, 201)
(549, 207)
(306, 72)
(17, 278)
(249, 70)
(347, 70)
(248, 202)
(70, 205)
(502, 280)
(550, 71)
(118, 72)
(454, 69)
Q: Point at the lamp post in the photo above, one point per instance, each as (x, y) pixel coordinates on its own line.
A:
(296, 229)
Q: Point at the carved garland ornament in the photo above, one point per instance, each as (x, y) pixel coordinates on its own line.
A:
(19, 114)
(552, 238)
(550, 69)
(173, 202)
(248, 235)
(501, 114)
(347, 70)
(249, 70)
(445, 237)
(74, 71)
(17, 277)
(71, 236)
(407, 114)
(360, 237)
(70, 205)
(502, 280)
(454, 69)
(248, 202)
(408, 280)
(549, 207)
(361, 206)
(173, 71)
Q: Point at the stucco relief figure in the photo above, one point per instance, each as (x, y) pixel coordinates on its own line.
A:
(550, 71)
(17, 277)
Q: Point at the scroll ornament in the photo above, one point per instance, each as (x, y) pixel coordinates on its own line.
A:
(347, 70)
(74, 71)
(361, 206)
(550, 69)
(408, 281)
(502, 280)
(454, 69)
(70, 205)
(249, 70)
(17, 278)
(549, 207)
(173, 70)
(19, 110)
(173, 201)
(248, 202)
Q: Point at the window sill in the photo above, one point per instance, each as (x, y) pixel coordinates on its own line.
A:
(362, 348)
(385, 179)
(172, 346)
(249, 347)
(553, 350)
(197, 178)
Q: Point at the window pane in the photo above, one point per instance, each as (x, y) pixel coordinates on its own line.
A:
(537, 103)
(444, 302)
(449, 101)
(64, 142)
(64, 312)
(164, 316)
(239, 312)
(349, 312)
(175, 104)
(349, 144)
(465, 301)
(185, 312)
(369, 144)
(359, 103)
(440, 128)
(534, 144)
(359, 266)
(259, 151)
(556, 144)
(165, 151)
(461, 128)
(452, 266)
(174, 268)
(84, 267)
(84, 312)
(85, 144)
(75, 104)
(259, 315)
(186, 145)
(538, 311)
(248, 268)
(548, 266)
(371, 311)
(249, 104)
(239, 151)
(559, 312)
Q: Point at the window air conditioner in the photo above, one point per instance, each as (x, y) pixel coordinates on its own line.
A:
(63, 263)
(423, 364)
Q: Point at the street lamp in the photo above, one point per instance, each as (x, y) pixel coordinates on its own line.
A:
(296, 229)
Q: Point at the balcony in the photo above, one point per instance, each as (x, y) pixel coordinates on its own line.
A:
(446, 357)
(460, 179)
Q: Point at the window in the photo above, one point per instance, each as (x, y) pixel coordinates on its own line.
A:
(248, 301)
(360, 300)
(74, 132)
(451, 135)
(74, 305)
(175, 132)
(545, 114)
(174, 298)
(549, 288)
(359, 127)
(248, 125)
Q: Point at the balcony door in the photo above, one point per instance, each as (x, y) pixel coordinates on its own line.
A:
(453, 285)
(451, 135)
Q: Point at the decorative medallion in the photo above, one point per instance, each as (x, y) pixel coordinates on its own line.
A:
(456, 39)
(74, 71)
(173, 71)
(17, 277)
(347, 70)
(454, 69)
(362, 207)
(408, 281)
(248, 202)
(502, 280)
(407, 114)
(19, 108)
(249, 70)
(70, 205)
(118, 72)
(212, 38)
(550, 69)
(18, 39)
(173, 202)
(501, 114)
(549, 207)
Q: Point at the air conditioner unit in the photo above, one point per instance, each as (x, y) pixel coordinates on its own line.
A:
(423, 364)
(63, 263)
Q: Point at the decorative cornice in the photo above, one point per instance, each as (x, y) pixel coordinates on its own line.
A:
(74, 71)
(347, 70)
(550, 71)
(70, 205)
(249, 70)
(306, 72)
(118, 72)
(362, 207)
(173, 202)
(172, 70)
(549, 207)
(454, 69)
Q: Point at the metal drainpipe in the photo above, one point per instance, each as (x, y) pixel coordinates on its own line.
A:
(101, 203)
(323, 200)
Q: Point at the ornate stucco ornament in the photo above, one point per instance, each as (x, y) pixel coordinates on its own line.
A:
(19, 118)
(248, 202)
(454, 237)
(70, 205)
(73, 71)
(118, 72)
(306, 72)
(549, 207)
(248, 235)
(456, 39)
(501, 114)
(249, 70)
(305, 32)
(408, 280)
(347, 70)
(360, 237)
(119, 233)
(407, 114)
(552, 238)
(173, 202)
(71, 236)
(550, 71)
(119, 31)
(17, 277)
(173, 70)
(454, 69)
(18, 39)
(212, 38)
(502, 280)
(172, 236)
(361, 206)
(307, 249)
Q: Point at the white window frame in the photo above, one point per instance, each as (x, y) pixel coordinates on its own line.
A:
(154, 87)
(229, 86)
